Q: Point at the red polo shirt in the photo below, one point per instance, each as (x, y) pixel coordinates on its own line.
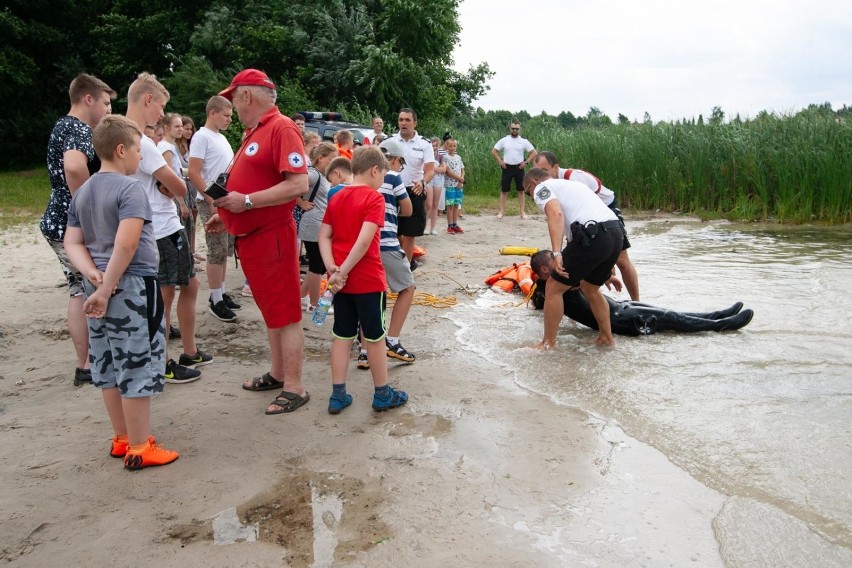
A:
(271, 149)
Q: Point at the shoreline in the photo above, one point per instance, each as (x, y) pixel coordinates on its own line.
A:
(475, 469)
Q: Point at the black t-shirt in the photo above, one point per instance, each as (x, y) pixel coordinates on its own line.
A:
(69, 133)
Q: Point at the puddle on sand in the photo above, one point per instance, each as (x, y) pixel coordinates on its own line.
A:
(316, 517)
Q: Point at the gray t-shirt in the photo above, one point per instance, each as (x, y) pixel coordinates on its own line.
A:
(309, 226)
(100, 205)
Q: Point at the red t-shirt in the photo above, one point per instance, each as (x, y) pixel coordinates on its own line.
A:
(269, 150)
(346, 213)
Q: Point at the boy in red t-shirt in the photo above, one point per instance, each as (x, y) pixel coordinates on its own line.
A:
(349, 244)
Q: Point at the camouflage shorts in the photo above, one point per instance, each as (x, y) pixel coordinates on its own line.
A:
(127, 347)
(72, 275)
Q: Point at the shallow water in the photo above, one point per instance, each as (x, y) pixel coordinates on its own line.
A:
(762, 414)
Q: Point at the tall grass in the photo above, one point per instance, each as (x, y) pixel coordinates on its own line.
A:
(23, 196)
(788, 168)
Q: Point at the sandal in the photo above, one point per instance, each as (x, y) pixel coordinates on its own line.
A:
(264, 383)
(288, 402)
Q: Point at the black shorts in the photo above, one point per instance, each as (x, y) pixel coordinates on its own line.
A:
(512, 172)
(368, 310)
(315, 263)
(414, 225)
(591, 263)
(176, 264)
(614, 208)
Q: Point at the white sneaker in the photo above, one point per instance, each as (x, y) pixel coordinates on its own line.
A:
(433, 232)
(306, 302)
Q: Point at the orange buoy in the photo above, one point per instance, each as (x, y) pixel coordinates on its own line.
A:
(500, 273)
(526, 277)
(507, 282)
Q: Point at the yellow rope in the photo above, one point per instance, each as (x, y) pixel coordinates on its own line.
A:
(424, 299)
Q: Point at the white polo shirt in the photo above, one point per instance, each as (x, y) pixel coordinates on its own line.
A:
(215, 153)
(418, 152)
(576, 201)
(513, 148)
(590, 181)
(164, 216)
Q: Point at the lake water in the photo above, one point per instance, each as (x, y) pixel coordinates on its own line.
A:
(762, 415)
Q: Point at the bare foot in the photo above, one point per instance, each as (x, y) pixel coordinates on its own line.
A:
(524, 216)
(602, 341)
(500, 215)
(545, 346)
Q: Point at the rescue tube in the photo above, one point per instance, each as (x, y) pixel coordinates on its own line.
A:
(500, 273)
(525, 278)
(507, 282)
(522, 251)
(418, 251)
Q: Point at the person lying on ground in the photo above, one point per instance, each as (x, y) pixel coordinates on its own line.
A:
(635, 318)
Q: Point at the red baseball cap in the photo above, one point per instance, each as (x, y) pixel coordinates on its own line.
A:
(247, 78)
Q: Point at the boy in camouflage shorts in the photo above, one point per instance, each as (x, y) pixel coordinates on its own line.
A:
(110, 240)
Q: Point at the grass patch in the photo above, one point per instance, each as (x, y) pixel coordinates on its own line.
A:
(23, 196)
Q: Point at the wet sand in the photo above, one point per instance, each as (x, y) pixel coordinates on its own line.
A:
(473, 471)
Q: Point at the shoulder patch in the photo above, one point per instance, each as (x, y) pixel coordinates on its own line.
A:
(542, 193)
(295, 159)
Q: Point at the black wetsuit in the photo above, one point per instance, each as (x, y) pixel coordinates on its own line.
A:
(636, 318)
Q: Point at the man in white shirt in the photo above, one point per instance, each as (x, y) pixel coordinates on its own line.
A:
(594, 237)
(210, 154)
(146, 99)
(418, 172)
(547, 161)
(513, 162)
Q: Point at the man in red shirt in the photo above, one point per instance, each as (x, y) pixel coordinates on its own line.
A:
(268, 173)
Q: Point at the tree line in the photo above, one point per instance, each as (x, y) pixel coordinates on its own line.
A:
(355, 56)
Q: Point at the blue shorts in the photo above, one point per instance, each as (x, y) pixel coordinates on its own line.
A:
(453, 196)
(127, 347)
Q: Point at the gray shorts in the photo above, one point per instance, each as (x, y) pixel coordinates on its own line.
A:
(397, 270)
(72, 275)
(220, 245)
(176, 264)
(127, 347)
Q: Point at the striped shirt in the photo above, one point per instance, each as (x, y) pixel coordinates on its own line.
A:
(393, 190)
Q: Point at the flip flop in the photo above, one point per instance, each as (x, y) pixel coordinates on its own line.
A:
(264, 383)
(288, 402)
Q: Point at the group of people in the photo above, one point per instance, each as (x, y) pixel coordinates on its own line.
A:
(583, 213)
(115, 222)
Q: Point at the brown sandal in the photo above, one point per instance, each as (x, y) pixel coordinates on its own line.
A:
(288, 402)
(264, 383)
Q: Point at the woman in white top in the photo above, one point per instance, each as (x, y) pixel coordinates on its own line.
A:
(172, 130)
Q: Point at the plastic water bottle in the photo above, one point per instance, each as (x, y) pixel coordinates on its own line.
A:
(323, 306)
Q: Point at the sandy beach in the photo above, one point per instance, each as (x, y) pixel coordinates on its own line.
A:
(473, 471)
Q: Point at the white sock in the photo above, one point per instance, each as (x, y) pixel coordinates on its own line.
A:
(216, 295)
(394, 341)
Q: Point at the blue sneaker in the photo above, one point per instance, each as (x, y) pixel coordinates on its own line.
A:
(394, 399)
(336, 405)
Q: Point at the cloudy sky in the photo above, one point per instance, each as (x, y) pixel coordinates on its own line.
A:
(671, 59)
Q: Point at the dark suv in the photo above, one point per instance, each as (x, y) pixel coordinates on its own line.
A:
(327, 123)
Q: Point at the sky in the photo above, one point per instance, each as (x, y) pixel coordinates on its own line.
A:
(672, 59)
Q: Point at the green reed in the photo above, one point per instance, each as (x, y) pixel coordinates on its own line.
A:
(788, 168)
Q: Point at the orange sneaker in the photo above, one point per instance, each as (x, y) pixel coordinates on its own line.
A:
(120, 446)
(151, 456)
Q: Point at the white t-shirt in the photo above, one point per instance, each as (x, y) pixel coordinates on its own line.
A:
(590, 181)
(576, 201)
(163, 147)
(418, 152)
(164, 213)
(513, 148)
(215, 153)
